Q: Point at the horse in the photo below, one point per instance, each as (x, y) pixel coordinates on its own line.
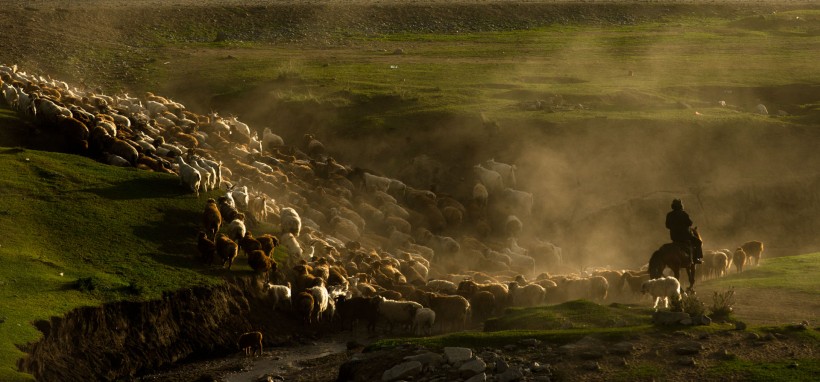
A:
(674, 256)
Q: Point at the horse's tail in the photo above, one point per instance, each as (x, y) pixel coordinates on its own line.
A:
(656, 265)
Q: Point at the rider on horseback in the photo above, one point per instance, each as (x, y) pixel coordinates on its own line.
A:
(678, 223)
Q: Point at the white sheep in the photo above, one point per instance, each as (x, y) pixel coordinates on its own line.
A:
(321, 301)
(290, 222)
(506, 171)
(206, 181)
(423, 322)
(398, 312)
(189, 176)
(517, 202)
(236, 228)
(271, 140)
(278, 294)
(376, 183)
(489, 178)
(288, 240)
(240, 197)
(480, 194)
(662, 288)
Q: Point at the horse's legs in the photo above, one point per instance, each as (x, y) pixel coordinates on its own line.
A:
(690, 271)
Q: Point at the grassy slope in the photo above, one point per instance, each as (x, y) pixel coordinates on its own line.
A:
(66, 217)
(791, 274)
(492, 72)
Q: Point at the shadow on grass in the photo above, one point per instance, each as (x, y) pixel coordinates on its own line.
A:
(140, 189)
(175, 234)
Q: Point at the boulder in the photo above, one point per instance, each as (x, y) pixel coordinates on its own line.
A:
(664, 318)
(429, 360)
(510, 375)
(455, 354)
(402, 371)
(472, 367)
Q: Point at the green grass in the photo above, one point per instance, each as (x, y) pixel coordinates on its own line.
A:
(806, 370)
(787, 274)
(578, 314)
(462, 72)
(65, 218)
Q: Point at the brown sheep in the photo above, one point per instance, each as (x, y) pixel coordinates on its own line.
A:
(739, 259)
(268, 242)
(482, 306)
(211, 218)
(753, 249)
(226, 249)
(452, 310)
(206, 247)
(75, 134)
(249, 244)
(303, 306)
(250, 342)
(261, 263)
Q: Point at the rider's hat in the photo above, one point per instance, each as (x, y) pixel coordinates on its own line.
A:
(677, 204)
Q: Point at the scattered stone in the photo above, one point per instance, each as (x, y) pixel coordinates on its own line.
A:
(592, 366)
(761, 109)
(591, 355)
(669, 318)
(623, 362)
(429, 360)
(542, 378)
(689, 349)
(780, 336)
(687, 321)
(681, 333)
(455, 354)
(622, 348)
(740, 325)
(769, 337)
(793, 365)
(510, 375)
(725, 355)
(753, 336)
(480, 377)
(703, 336)
(501, 366)
(702, 320)
(688, 361)
(799, 327)
(529, 342)
(398, 52)
(402, 371)
(510, 347)
(472, 367)
(538, 367)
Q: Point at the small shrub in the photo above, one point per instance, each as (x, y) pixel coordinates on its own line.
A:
(85, 284)
(690, 303)
(723, 303)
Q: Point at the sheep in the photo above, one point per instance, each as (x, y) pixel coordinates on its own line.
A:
(442, 286)
(451, 309)
(278, 294)
(374, 183)
(206, 248)
(662, 289)
(288, 240)
(303, 305)
(506, 171)
(270, 141)
(321, 301)
(211, 218)
(720, 264)
(189, 176)
(227, 249)
(236, 228)
(753, 249)
(634, 281)
(739, 258)
(240, 196)
(290, 222)
(517, 202)
(480, 195)
(513, 226)
(250, 342)
(468, 288)
(261, 263)
(358, 309)
(482, 306)
(527, 295)
(268, 242)
(398, 312)
(490, 179)
(423, 322)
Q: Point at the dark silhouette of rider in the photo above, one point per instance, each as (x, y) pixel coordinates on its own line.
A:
(678, 223)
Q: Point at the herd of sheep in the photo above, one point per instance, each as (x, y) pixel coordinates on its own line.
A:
(361, 247)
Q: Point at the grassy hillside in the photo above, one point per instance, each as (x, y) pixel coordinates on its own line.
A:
(127, 234)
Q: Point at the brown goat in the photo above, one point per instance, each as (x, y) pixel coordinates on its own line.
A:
(206, 247)
(739, 259)
(261, 263)
(753, 249)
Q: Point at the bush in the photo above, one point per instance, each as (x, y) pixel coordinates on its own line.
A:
(723, 303)
(85, 284)
(690, 303)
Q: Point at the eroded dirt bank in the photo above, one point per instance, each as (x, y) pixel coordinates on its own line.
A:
(126, 339)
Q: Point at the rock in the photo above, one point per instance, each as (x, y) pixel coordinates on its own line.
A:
(591, 355)
(780, 336)
(591, 366)
(510, 347)
(398, 52)
(538, 367)
(669, 318)
(542, 378)
(687, 321)
(402, 371)
(622, 348)
(761, 109)
(753, 336)
(702, 319)
(689, 349)
(454, 354)
(740, 325)
(623, 362)
(725, 354)
(687, 361)
(799, 327)
(529, 342)
(428, 360)
(793, 365)
(501, 366)
(681, 333)
(510, 375)
(472, 367)
(769, 337)
(480, 377)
